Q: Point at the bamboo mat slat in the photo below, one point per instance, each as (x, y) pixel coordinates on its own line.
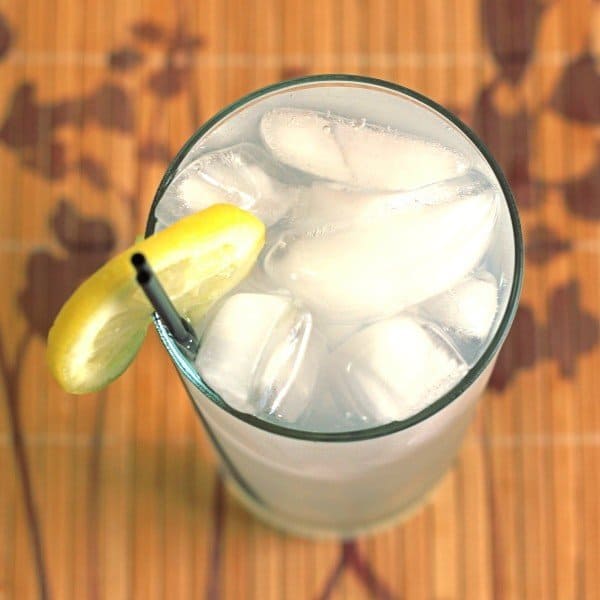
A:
(117, 495)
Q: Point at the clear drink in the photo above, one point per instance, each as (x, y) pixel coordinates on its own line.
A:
(337, 381)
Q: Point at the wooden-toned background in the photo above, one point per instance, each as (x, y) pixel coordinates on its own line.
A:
(116, 495)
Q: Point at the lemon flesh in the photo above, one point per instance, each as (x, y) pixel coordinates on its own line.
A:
(101, 327)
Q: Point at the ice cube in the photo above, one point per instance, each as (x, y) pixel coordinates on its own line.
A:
(286, 376)
(244, 175)
(350, 271)
(305, 139)
(356, 153)
(260, 353)
(323, 203)
(468, 309)
(386, 159)
(393, 369)
(326, 411)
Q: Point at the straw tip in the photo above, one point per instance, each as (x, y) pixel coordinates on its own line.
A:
(138, 260)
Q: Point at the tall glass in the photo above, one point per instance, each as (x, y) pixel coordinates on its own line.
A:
(344, 483)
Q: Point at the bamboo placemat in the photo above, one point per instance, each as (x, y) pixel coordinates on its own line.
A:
(116, 495)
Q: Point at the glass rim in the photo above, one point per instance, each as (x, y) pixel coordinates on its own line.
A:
(187, 370)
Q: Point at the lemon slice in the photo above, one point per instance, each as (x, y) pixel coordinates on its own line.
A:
(100, 328)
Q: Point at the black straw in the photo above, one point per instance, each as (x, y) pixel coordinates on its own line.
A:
(180, 329)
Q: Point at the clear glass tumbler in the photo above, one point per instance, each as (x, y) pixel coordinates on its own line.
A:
(345, 483)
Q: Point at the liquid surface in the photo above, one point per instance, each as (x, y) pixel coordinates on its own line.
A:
(388, 260)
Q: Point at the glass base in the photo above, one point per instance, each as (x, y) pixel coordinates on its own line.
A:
(306, 530)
